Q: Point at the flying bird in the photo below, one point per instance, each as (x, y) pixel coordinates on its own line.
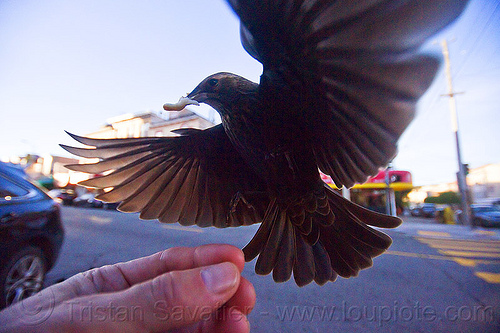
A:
(339, 85)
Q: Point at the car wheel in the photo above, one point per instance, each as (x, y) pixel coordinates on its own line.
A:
(22, 276)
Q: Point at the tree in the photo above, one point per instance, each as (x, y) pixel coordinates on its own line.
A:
(449, 198)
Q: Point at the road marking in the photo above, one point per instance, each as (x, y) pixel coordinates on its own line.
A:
(417, 255)
(100, 220)
(466, 262)
(438, 257)
(465, 247)
(469, 254)
(459, 242)
(485, 232)
(181, 227)
(489, 277)
(433, 233)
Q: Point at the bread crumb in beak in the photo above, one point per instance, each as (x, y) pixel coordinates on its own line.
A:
(181, 104)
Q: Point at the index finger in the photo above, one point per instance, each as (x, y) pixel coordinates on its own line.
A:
(176, 259)
(121, 276)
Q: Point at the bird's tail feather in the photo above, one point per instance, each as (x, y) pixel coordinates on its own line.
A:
(328, 237)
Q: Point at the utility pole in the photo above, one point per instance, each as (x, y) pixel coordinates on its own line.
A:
(390, 198)
(461, 175)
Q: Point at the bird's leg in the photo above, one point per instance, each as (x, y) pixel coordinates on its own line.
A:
(236, 200)
(291, 163)
(280, 151)
(276, 152)
(251, 199)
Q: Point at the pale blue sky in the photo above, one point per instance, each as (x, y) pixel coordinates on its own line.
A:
(70, 65)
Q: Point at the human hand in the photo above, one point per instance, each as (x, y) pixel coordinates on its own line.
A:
(180, 289)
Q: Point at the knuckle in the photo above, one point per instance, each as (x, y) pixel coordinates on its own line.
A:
(164, 288)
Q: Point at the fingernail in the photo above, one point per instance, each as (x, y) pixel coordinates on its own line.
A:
(219, 278)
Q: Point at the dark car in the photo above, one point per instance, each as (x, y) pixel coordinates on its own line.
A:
(64, 196)
(87, 200)
(485, 215)
(110, 205)
(31, 235)
(416, 211)
(429, 210)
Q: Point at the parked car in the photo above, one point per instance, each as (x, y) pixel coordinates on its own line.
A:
(110, 205)
(31, 235)
(64, 196)
(416, 211)
(87, 200)
(485, 215)
(425, 210)
(429, 210)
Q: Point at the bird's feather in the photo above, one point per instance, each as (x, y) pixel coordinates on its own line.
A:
(191, 178)
(358, 60)
(340, 83)
(319, 253)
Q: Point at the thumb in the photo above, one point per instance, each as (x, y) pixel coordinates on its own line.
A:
(172, 300)
(185, 297)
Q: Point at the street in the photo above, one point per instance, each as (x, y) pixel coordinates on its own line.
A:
(434, 278)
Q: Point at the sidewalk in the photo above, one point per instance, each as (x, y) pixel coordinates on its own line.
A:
(417, 226)
(422, 220)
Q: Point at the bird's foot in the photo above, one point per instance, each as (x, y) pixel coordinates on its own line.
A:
(236, 200)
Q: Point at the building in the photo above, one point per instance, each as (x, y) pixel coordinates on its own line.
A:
(483, 182)
(145, 124)
(48, 170)
(383, 193)
(149, 124)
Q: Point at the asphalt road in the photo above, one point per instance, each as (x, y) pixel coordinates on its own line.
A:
(434, 278)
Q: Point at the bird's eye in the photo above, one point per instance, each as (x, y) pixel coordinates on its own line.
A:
(213, 82)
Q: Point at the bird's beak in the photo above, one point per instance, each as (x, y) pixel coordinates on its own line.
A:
(198, 95)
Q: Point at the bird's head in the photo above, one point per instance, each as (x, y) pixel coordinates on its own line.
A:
(221, 90)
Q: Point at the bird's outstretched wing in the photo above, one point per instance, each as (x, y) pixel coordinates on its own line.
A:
(357, 60)
(196, 177)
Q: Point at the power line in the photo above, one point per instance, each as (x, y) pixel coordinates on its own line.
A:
(478, 38)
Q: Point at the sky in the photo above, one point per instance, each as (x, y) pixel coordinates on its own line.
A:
(70, 65)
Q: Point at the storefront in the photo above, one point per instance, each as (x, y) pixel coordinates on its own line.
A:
(376, 195)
